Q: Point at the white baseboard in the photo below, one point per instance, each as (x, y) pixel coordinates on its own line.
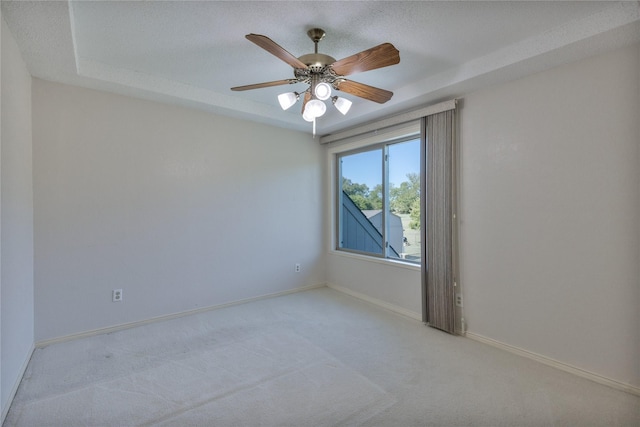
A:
(124, 326)
(378, 302)
(14, 389)
(506, 347)
(556, 364)
(375, 301)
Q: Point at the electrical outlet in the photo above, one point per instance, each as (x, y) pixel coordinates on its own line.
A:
(459, 300)
(117, 295)
(297, 268)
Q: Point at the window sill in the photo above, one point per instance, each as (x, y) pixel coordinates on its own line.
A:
(385, 261)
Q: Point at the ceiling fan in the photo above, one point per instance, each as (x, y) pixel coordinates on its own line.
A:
(323, 73)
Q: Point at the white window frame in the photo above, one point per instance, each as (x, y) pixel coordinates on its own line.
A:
(404, 131)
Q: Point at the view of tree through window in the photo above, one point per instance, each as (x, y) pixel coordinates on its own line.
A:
(379, 201)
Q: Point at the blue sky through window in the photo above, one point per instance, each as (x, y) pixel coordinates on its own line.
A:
(366, 167)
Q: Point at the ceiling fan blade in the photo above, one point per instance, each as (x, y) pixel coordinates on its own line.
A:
(364, 91)
(307, 98)
(275, 49)
(266, 84)
(379, 56)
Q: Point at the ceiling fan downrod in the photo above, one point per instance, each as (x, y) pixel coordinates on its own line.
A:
(316, 62)
(316, 34)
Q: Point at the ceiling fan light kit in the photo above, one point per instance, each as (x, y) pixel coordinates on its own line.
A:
(322, 91)
(287, 100)
(324, 74)
(306, 114)
(342, 104)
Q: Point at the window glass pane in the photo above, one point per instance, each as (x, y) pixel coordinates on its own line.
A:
(379, 200)
(360, 202)
(403, 223)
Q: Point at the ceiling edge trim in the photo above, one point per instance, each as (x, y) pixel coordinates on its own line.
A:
(612, 18)
(391, 121)
(166, 87)
(72, 25)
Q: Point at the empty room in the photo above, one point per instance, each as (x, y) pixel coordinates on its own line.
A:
(328, 213)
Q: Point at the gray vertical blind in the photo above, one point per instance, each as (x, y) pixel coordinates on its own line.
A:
(438, 274)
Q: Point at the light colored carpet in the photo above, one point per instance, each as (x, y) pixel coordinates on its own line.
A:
(314, 358)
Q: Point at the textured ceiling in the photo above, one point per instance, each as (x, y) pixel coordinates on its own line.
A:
(191, 53)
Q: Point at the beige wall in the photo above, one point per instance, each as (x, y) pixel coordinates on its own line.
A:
(16, 219)
(181, 209)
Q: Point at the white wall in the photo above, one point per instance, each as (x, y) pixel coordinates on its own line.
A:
(549, 208)
(183, 210)
(393, 284)
(549, 214)
(387, 283)
(2, 59)
(16, 219)
(179, 208)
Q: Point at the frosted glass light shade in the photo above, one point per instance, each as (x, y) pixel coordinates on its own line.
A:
(315, 108)
(343, 105)
(323, 91)
(286, 100)
(308, 117)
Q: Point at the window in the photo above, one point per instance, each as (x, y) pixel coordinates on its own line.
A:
(378, 200)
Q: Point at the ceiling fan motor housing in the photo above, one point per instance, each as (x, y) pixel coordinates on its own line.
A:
(316, 61)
